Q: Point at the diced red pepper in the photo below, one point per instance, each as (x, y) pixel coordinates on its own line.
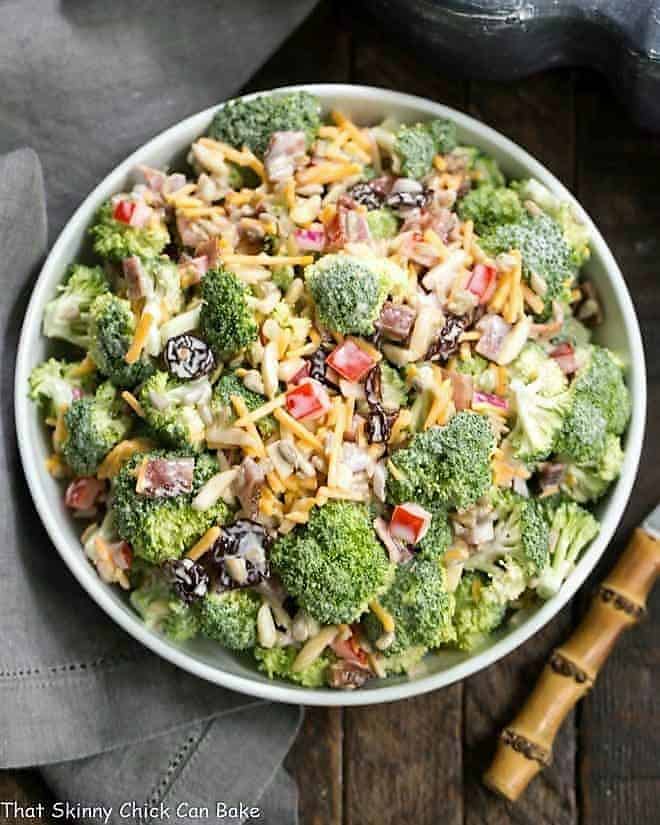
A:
(308, 400)
(350, 361)
(123, 211)
(409, 522)
(83, 493)
(482, 282)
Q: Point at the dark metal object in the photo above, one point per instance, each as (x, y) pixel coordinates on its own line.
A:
(509, 39)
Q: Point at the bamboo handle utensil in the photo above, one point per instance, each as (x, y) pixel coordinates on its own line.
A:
(525, 746)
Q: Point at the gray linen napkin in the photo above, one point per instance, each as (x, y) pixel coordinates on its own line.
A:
(84, 83)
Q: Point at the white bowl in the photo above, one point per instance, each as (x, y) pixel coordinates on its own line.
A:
(204, 658)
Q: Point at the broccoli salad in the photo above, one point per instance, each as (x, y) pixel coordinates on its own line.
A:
(328, 393)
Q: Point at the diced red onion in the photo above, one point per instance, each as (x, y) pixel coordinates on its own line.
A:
(312, 238)
(491, 399)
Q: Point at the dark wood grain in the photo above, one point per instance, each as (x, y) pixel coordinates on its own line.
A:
(316, 761)
(403, 761)
(619, 776)
(539, 114)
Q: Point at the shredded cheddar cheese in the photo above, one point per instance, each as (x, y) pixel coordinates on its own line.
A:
(205, 543)
(120, 454)
(140, 337)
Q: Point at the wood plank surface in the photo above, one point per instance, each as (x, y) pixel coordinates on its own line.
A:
(618, 167)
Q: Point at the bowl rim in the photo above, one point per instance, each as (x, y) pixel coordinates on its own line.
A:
(279, 691)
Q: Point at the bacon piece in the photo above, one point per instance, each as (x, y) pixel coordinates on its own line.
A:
(494, 330)
(190, 234)
(350, 652)
(165, 477)
(396, 551)
(210, 250)
(153, 177)
(462, 389)
(83, 493)
(284, 150)
(396, 321)
(564, 355)
(140, 215)
(251, 478)
(347, 226)
(347, 675)
(138, 283)
(550, 477)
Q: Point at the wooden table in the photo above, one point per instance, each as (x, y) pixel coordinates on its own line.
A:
(419, 761)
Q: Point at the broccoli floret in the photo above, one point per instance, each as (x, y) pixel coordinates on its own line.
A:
(277, 662)
(112, 325)
(226, 320)
(416, 146)
(251, 122)
(67, 315)
(444, 134)
(448, 465)
(544, 252)
(541, 400)
(438, 537)
(489, 206)
(576, 233)
(160, 528)
(600, 380)
(474, 365)
(521, 532)
(115, 239)
(420, 605)
(403, 662)
(599, 412)
(230, 618)
(484, 170)
(572, 529)
(589, 483)
(283, 277)
(583, 435)
(228, 385)
(334, 565)
(162, 610)
(479, 610)
(93, 424)
(55, 384)
(348, 293)
(175, 423)
(393, 389)
(164, 284)
(383, 223)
